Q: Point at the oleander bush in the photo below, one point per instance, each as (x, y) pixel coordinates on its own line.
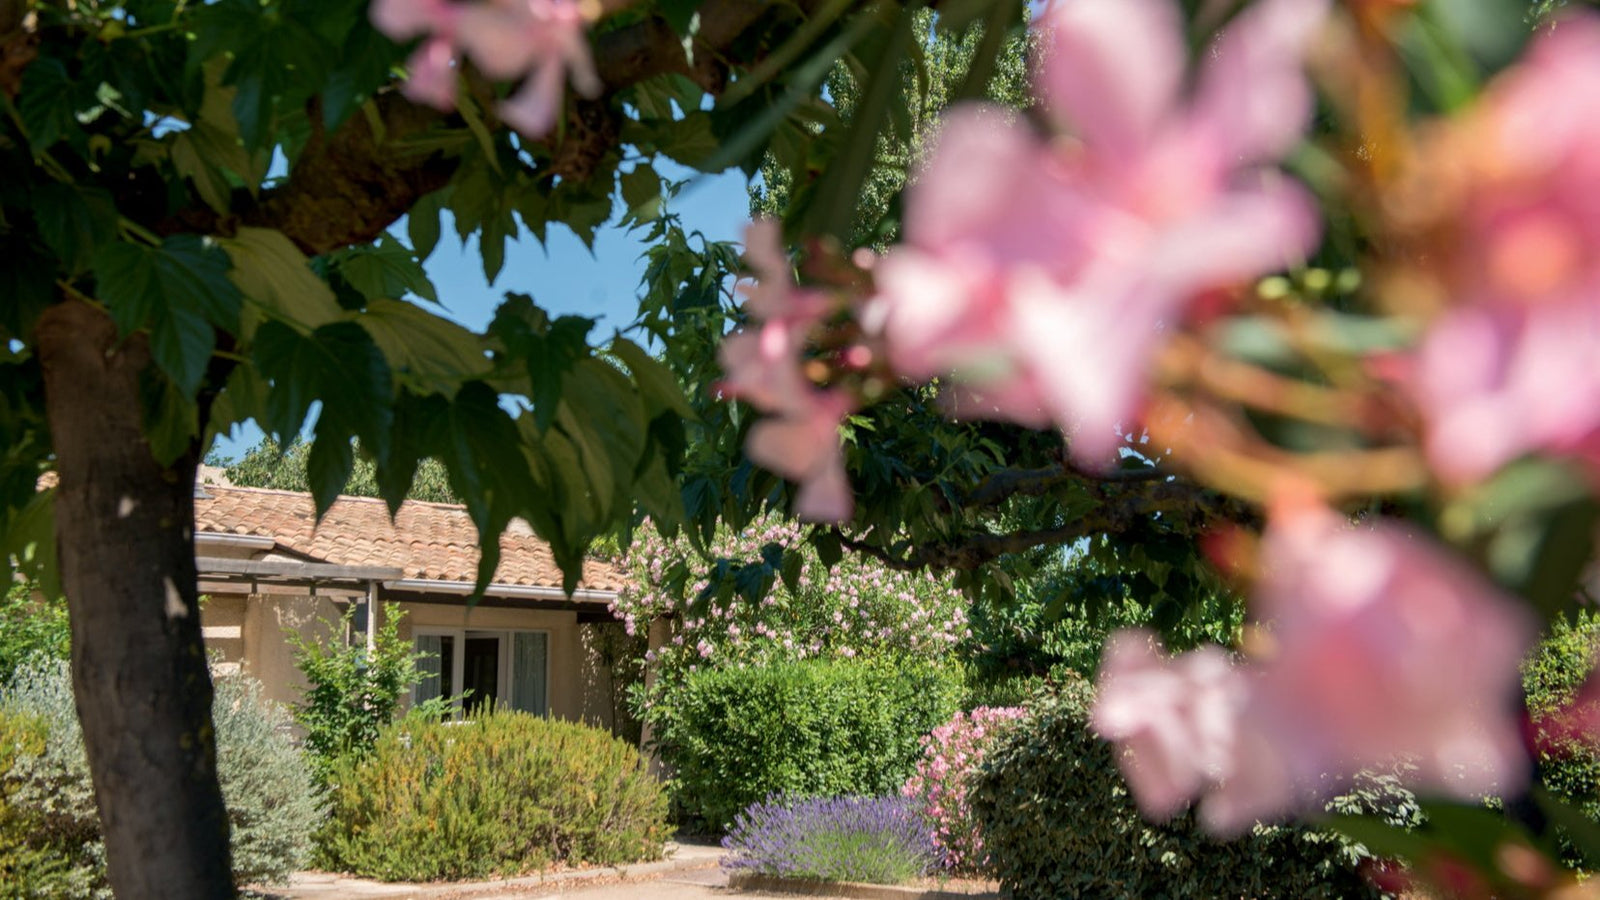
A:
(50, 831)
(879, 840)
(803, 728)
(504, 794)
(951, 754)
(1058, 822)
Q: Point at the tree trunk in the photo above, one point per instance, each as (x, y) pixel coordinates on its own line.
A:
(125, 536)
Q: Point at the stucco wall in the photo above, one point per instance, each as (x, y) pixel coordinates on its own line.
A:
(247, 632)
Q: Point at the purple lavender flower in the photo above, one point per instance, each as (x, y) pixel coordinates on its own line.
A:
(881, 840)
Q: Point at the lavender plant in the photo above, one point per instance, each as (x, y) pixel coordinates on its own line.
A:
(880, 840)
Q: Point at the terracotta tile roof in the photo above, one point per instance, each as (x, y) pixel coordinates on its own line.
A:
(434, 541)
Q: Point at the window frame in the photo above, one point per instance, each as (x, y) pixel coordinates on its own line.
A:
(504, 653)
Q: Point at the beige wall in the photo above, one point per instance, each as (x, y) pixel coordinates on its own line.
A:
(247, 633)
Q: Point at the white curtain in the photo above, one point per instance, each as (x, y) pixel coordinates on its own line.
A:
(431, 685)
(529, 653)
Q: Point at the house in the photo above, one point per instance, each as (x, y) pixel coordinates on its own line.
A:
(267, 568)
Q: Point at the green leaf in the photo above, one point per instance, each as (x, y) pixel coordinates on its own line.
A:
(427, 354)
(657, 385)
(279, 65)
(74, 221)
(177, 291)
(277, 278)
(210, 148)
(422, 223)
(328, 466)
(30, 539)
(47, 103)
(171, 422)
(338, 365)
(385, 269)
(639, 187)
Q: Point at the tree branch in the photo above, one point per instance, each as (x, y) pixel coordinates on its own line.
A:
(352, 186)
(1122, 506)
(1009, 483)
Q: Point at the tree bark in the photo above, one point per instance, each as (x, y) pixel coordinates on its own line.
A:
(125, 538)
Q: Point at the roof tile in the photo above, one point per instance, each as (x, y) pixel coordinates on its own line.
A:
(425, 540)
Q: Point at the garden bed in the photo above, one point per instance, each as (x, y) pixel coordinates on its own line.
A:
(920, 889)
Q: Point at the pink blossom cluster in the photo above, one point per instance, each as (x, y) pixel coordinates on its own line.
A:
(857, 607)
(1509, 368)
(542, 42)
(1377, 647)
(950, 755)
(764, 362)
(1043, 271)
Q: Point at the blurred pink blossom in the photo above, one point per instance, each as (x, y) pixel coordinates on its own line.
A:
(800, 437)
(542, 42)
(1042, 273)
(1382, 648)
(1510, 368)
(1174, 719)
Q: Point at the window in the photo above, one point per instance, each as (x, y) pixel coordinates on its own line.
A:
(509, 668)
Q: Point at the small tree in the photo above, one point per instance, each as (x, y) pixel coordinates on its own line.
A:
(350, 695)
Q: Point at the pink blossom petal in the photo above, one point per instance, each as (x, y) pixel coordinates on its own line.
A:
(1253, 98)
(1112, 68)
(432, 74)
(405, 19)
(533, 109)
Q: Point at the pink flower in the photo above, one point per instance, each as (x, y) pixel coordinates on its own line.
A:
(1383, 648)
(541, 41)
(1386, 647)
(1174, 719)
(1509, 370)
(1040, 274)
(800, 438)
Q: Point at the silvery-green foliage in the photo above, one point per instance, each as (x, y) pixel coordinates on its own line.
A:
(273, 804)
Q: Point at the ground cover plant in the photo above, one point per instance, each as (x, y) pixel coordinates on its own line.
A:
(879, 840)
(506, 793)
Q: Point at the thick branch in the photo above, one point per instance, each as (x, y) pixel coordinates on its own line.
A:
(1009, 483)
(1122, 507)
(351, 186)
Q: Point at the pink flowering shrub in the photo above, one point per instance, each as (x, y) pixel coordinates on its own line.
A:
(951, 754)
(859, 607)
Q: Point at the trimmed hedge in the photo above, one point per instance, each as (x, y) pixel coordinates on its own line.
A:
(505, 794)
(808, 728)
(1058, 822)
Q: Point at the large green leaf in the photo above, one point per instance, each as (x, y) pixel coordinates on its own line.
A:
(277, 278)
(177, 291)
(385, 269)
(48, 104)
(427, 354)
(338, 366)
(210, 148)
(74, 221)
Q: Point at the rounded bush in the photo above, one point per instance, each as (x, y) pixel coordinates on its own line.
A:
(1058, 822)
(807, 728)
(47, 810)
(951, 754)
(504, 794)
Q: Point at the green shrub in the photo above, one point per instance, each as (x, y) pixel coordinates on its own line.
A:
(810, 728)
(30, 626)
(1058, 822)
(504, 794)
(348, 697)
(50, 816)
(1569, 767)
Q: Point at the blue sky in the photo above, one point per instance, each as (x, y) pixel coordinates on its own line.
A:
(563, 276)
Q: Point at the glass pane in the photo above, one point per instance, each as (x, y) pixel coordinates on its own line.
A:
(529, 652)
(433, 666)
(480, 673)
